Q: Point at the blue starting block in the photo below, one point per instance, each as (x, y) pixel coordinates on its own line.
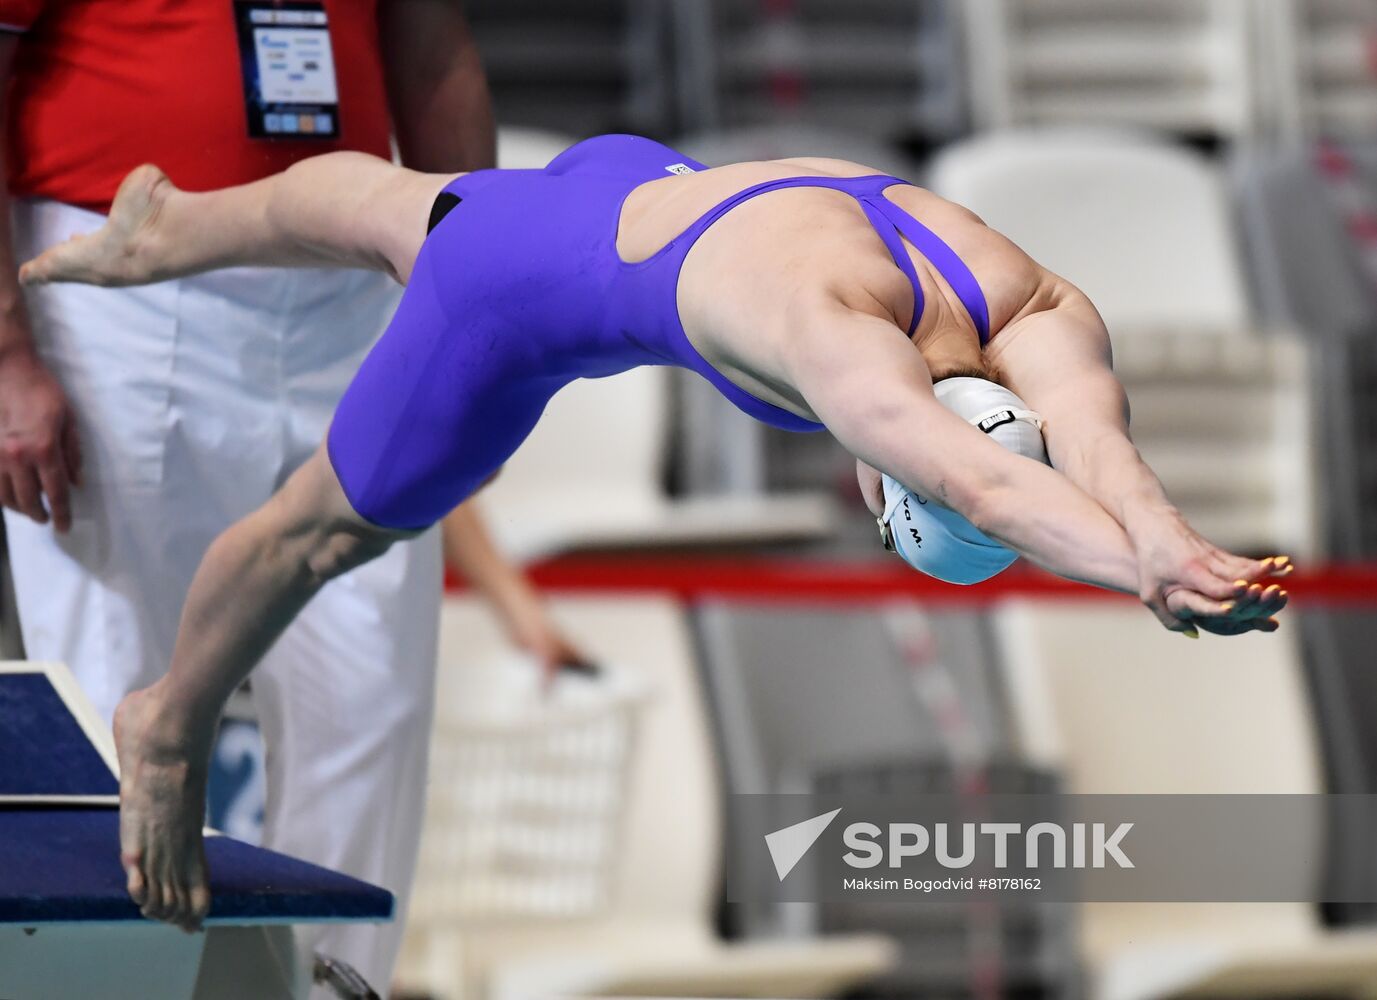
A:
(67, 926)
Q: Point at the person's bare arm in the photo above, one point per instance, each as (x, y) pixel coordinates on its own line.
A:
(867, 384)
(441, 108)
(470, 550)
(338, 209)
(1060, 362)
(252, 582)
(40, 456)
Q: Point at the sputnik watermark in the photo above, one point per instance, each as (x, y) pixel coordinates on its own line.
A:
(1045, 844)
(826, 846)
(912, 840)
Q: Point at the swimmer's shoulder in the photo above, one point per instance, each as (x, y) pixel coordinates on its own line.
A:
(1015, 285)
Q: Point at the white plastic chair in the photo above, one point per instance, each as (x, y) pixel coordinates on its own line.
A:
(653, 935)
(526, 817)
(884, 69)
(1143, 228)
(1184, 66)
(1103, 694)
(1319, 79)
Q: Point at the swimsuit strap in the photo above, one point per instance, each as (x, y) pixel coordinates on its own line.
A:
(890, 234)
(890, 223)
(940, 255)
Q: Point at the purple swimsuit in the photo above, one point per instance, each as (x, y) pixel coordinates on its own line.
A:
(518, 291)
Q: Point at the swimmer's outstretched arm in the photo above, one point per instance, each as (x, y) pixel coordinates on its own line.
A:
(866, 383)
(339, 209)
(253, 580)
(1060, 362)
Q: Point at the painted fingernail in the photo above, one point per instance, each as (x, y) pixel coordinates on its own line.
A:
(1270, 592)
(1191, 633)
(1284, 594)
(1240, 583)
(1226, 607)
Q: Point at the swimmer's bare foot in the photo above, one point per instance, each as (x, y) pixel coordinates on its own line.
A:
(162, 802)
(124, 251)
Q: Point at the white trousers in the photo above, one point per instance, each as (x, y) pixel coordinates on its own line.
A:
(195, 400)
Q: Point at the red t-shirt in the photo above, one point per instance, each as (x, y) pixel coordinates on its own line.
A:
(101, 86)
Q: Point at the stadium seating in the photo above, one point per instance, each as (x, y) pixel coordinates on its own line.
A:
(1298, 210)
(1100, 692)
(1184, 66)
(654, 936)
(887, 69)
(584, 68)
(1320, 78)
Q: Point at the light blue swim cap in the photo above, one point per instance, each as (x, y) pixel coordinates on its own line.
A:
(938, 541)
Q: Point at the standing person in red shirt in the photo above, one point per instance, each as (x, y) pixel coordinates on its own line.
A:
(135, 425)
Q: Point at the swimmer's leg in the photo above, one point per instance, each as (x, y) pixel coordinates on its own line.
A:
(339, 209)
(251, 583)
(433, 411)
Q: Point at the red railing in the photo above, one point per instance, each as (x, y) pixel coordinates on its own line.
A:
(765, 578)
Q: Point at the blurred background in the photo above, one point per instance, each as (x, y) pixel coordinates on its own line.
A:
(1206, 170)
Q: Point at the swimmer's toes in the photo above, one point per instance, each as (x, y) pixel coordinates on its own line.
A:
(152, 906)
(136, 884)
(199, 904)
(181, 907)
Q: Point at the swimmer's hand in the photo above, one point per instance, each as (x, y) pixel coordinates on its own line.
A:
(124, 251)
(1253, 608)
(1189, 583)
(163, 771)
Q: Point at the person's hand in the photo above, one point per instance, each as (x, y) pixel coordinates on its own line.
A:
(1253, 608)
(40, 456)
(1188, 582)
(533, 630)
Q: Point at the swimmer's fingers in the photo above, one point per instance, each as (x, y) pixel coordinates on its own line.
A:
(1161, 608)
(1258, 600)
(1273, 599)
(1200, 577)
(1254, 613)
(1226, 626)
(1189, 604)
(1234, 567)
(1192, 609)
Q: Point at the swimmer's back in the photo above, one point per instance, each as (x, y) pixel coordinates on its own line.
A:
(521, 288)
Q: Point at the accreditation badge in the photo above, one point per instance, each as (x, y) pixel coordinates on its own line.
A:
(288, 68)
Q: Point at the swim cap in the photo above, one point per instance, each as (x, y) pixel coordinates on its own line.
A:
(938, 541)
